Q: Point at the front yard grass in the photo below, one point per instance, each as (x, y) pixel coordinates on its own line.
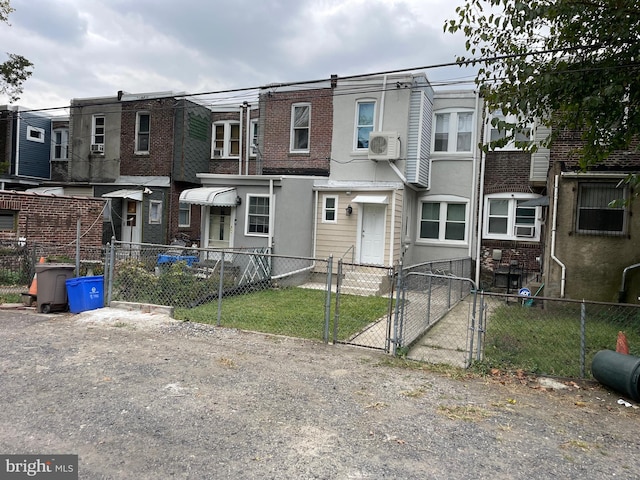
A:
(296, 312)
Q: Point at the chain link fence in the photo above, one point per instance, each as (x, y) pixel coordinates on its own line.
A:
(551, 336)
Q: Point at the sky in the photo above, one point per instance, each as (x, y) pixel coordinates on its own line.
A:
(94, 48)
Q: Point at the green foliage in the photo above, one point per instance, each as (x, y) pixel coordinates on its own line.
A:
(17, 69)
(9, 277)
(133, 282)
(570, 65)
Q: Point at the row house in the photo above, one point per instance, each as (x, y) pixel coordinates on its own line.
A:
(591, 246)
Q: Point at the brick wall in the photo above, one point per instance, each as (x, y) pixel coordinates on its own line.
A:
(507, 172)
(276, 155)
(159, 160)
(48, 219)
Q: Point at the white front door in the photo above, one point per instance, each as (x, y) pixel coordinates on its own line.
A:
(372, 233)
(220, 227)
(131, 221)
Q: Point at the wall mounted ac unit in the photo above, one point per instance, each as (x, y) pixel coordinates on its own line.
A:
(384, 146)
(217, 152)
(97, 148)
(525, 231)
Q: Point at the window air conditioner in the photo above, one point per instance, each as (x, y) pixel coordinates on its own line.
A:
(217, 152)
(525, 231)
(97, 148)
(384, 146)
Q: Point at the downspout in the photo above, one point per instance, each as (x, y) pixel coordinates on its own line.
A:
(247, 152)
(623, 287)
(272, 211)
(315, 224)
(382, 97)
(553, 237)
(240, 141)
(393, 225)
(480, 205)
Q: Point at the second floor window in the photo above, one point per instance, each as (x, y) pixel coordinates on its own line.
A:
(60, 147)
(143, 121)
(365, 114)
(300, 127)
(98, 135)
(253, 147)
(453, 132)
(226, 139)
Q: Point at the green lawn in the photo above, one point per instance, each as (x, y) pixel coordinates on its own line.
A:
(549, 341)
(296, 312)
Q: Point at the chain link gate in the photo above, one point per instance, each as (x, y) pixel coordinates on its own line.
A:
(437, 318)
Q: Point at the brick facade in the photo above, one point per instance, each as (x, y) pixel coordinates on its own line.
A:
(276, 111)
(48, 219)
(159, 160)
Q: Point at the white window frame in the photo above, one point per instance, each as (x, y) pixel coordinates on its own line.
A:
(453, 130)
(155, 212)
(64, 143)
(358, 125)
(39, 134)
(94, 129)
(253, 137)
(248, 215)
(139, 150)
(495, 134)
(186, 208)
(292, 147)
(623, 193)
(512, 205)
(326, 210)
(444, 201)
(227, 139)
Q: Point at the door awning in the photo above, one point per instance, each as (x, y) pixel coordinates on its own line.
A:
(210, 196)
(125, 193)
(378, 199)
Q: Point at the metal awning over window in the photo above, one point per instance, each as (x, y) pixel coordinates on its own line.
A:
(535, 202)
(125, 193)
(210, 196)
(378, 199)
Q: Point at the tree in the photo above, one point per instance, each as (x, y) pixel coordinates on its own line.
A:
(14, 71)
(570, 64)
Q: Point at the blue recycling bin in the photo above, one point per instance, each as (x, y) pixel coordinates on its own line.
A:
(85, 293)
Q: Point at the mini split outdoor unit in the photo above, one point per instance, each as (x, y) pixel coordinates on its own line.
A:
(384, 146)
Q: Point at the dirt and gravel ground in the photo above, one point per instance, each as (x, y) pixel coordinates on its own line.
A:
(137, 396)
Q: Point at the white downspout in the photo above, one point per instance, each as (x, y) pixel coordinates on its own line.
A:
(272, 211)
(563, 278)
(382, 97)
(393, 225)
(315, 223)
(247, 152)
(480, 210)
(240, 140)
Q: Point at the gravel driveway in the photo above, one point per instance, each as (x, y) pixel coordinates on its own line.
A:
(139, 397)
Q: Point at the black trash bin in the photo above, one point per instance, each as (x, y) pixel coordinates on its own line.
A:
(618, 371)
(52, 288)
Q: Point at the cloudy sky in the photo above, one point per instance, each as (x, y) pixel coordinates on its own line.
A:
(93, 48)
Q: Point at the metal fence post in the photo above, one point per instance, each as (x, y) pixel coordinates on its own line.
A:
(583, 338)
(398, 311)
(220, 289)
(336, 316)
(112, 256)
(327, 303)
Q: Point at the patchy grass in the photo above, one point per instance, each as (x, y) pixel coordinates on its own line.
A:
(466, 413)
(296, 312)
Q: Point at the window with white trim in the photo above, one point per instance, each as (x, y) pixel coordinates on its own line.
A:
(365, 117)
(443, 218)
(257, 215)
(300, 127)
(98, 130)
(506, 218)
(226, 139)
(184, 215)
(499, 131)
(155, 211)
(329, 209)
(453, 131)
(60, 144)
(601, 209)
(35, 134)
(143, 124)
